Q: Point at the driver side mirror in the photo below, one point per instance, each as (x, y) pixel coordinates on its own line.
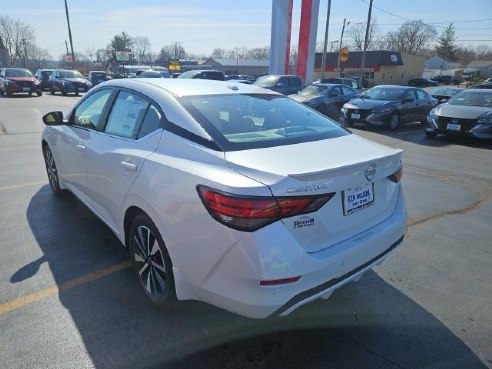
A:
(55, 118)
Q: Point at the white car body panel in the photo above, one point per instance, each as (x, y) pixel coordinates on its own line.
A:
(212, 262)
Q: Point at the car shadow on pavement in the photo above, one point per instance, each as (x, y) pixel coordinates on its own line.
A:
(366, 325)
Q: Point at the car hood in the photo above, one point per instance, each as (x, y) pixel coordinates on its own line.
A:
(304, 161)
(368, 103)
(21, 79)
(462, 112)
(78, 80)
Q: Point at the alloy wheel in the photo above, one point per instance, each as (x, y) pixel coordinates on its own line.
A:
(149, 262)
(51, 169)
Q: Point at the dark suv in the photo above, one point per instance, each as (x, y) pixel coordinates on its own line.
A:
(98, 76)
(43, 76)
(285, 84)
(203, 74)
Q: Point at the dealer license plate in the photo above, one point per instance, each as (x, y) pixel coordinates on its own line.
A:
(453, 127)
(26, 89)
(357, 199)
(355, 116)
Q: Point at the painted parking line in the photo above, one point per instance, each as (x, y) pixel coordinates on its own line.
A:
(50, 291)
(22, 185)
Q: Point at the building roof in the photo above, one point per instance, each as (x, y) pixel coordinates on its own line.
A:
(374, 58)
(441, 58)
(233, 62)
(479, 64)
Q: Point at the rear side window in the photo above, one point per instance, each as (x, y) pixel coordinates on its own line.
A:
(347, 90)
(126, 114)
(151, 122)
(421, 95)
(246, 121)
(295, 82)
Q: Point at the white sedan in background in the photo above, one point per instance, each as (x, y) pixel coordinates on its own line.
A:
(228, 193)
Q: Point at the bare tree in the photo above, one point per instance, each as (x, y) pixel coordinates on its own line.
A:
(258, 53)
(357, 32)
(218, 53)
(483, 52)
(90, 51)
(141, 47)
(465, 54)
(17, 37)
(412, 37)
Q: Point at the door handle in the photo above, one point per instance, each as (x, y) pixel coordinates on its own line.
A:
(129, 166)
(80, 148)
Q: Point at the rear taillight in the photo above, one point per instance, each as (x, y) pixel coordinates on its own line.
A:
(396, 176)
(249, 213)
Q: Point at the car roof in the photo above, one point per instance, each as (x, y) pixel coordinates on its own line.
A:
(396, 86)
(191, 87)
(328, 84)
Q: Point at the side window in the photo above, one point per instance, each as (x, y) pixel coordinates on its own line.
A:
(410, 94)
(421, 95)
(151, 122)
(347, 90)
(127, 113)
(88, 113)
(284, 82)
(335, 91)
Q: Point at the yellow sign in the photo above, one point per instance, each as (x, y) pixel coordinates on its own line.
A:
(344, 54)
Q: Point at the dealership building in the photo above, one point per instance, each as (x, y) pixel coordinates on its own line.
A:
(381, 66)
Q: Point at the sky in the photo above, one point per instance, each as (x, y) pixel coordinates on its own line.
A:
(202, 25)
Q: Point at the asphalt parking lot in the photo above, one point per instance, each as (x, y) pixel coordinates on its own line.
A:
(68, 298)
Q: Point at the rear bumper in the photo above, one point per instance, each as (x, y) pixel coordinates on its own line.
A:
(234, 284)
(374, 119)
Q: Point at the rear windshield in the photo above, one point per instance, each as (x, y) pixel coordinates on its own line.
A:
(248, 121)
(266, 81)
(70, 74)
(99, 74)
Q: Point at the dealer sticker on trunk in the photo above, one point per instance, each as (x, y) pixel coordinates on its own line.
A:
(357, 199)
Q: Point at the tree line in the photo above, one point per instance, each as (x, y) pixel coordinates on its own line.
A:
(413, 37)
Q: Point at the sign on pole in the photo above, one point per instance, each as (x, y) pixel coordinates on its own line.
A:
(344, 54)
(122, 55)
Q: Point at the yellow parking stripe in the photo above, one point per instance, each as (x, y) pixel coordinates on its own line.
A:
(50, 291)
(21, 185)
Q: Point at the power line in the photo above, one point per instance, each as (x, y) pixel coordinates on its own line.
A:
(385, 11)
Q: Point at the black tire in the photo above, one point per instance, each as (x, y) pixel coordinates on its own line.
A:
(52, 171)
(393, 122)
(30, 93)
(8, 94)
(52, 91)
(39, 93)
(151, 261)
(64, 92)
(431, 134)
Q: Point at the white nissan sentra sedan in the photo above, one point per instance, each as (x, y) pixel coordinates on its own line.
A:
(228, 193)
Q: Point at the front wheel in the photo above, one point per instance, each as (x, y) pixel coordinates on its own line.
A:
(51, 170)
(39, 92)
(431, 134)
(393, 122)
(151, 261)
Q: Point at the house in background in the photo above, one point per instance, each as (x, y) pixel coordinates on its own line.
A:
(440, 63)
(382, 67)
(480, 68)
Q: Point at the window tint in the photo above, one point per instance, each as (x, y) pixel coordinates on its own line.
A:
(421, 95)
(127, 112)
(347, 90)
(295, 82)
(239, 122)
(336, 91)
(88, 113)
(151, 122)
(410, 94)
(284, 81)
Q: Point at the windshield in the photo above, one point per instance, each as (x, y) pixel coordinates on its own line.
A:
(472, 98)
(70, 74)
(17, 73)
(382, 93)
(99, 74)
(241, 122)
(312, 90)
(445, 91)
(266, 81)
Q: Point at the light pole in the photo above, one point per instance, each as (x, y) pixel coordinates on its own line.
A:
(366, 40)
(70, 33)
(340, 47)
(323, 58)
(333, 42)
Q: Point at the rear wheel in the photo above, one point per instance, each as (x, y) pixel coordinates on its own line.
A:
(39, 92)
(52, 91)
(151, 261)
(431, 134)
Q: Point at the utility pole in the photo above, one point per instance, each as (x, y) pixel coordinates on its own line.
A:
(70, 34)
(323, 58)
(366, 41)
(340, 47)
